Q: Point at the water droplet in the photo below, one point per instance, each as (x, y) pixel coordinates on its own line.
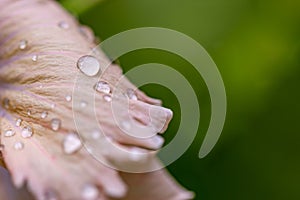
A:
(27, 132)
(83, 104)
(34, 58)
(71, 143)
(18, 122)
(63, 25)
(18, 146)
(102, 86)
(28, 112)
(9, 133)
(88, 65)
(6, 103)
(23, 44)
(90, 192)
(107, 98)
(131, 94)
(44, 114)
(55, 124)
(68, 98)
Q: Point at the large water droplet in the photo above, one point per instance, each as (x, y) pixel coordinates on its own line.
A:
(34, 58)
(27, 132)
(44, 114)
(131, 94)
(23, 44)
(102, 86)
(89, 192)
(55, 124)
(71, 143)
(88, 65)
(18, 122)
(9, 133)
(63, 25)
(18, 146)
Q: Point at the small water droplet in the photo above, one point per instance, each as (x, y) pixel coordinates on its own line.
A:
(83, 104)
(28, 112)
(63, 25)
(55, 124)
(102, 86)
(44, 114)
(23, 44)
(18, 146)
(27, 132)
(34, 58)
(131, 94)
(89, 192)
(88, 65)
(9, 133)
(68, 98)
(107, 98)
(71, 143)
(18, 122)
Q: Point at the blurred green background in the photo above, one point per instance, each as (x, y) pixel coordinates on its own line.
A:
(256, 46)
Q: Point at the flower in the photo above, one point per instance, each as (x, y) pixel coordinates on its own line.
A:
(39, 68)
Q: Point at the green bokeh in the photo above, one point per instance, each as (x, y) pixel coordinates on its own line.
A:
(256, 46)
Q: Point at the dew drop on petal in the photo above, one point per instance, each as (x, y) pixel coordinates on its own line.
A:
(28, 112)
(55, 124)
(23, 44)
(18, 146)
(131, 94)
(107, 98)
(88, 65)
(44, 114)
(68, 98)
(71, 143)
(63, 25)
(34, 58)
(102, 86)
(89, 192)
(18, 122)
(9, 133)
(27, 132)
